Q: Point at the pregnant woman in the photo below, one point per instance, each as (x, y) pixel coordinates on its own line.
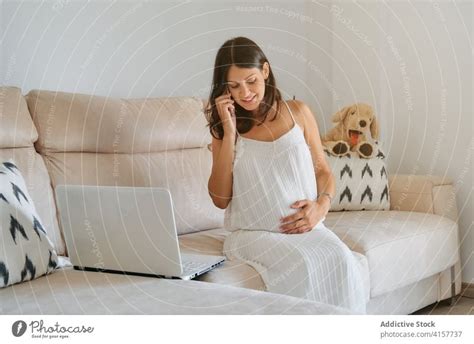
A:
(268, 166)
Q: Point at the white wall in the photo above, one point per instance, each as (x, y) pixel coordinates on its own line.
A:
(411, 60)
(127, 48)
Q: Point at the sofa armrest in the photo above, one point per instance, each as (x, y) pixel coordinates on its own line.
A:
(425, 194)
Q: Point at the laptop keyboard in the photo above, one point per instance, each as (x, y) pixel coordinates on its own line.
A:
(192, 266)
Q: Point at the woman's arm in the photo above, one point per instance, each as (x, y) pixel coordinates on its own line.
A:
(220, 181)
(324, 177)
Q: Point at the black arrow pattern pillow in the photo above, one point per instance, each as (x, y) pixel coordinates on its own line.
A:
(25, 249)
(361, 184)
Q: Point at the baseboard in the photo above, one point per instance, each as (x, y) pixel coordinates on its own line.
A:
(467, 290)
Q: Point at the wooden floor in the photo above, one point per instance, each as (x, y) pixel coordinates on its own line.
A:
(462, 306)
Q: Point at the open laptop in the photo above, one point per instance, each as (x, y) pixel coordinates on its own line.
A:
(130, 230)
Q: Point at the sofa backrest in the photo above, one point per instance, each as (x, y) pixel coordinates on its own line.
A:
(17, 136)
(94, 140)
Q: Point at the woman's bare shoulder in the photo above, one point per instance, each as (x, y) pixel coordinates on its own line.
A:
(301, 112)
(298, 107)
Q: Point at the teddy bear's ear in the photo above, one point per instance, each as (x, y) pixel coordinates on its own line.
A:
(374, 128)
(341, 114)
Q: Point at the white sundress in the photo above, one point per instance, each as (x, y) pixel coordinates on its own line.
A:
(267, 178)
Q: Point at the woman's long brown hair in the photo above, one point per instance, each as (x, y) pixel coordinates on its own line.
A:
(243, 53)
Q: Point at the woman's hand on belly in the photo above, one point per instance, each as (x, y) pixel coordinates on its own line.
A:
(309, 215)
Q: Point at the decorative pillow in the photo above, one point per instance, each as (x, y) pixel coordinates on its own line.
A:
(25, 250)
(361, 184)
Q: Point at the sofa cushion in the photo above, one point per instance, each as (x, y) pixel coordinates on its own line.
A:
(17, 136)
(69, 291)
(26, 251)
(401, 247)
(73, 122)
(158, 142)
(183, 172)
(16, 127)
(361, 184)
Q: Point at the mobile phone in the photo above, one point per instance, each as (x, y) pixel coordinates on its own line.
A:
(228, 91)
(232, 111)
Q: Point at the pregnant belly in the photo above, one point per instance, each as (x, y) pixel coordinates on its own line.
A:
(263, 210)
(265, 187)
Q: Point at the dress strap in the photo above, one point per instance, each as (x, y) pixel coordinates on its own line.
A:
(291, 113)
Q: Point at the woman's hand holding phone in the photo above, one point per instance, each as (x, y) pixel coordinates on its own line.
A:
(226, 111)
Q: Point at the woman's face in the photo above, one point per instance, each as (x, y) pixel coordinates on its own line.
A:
(247, 85)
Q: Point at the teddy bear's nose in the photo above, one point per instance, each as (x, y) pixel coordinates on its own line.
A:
(362, 123)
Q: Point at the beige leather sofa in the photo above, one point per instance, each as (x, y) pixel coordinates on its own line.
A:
(409, 256)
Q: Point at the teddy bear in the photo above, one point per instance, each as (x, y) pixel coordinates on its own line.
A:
(356, 130)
